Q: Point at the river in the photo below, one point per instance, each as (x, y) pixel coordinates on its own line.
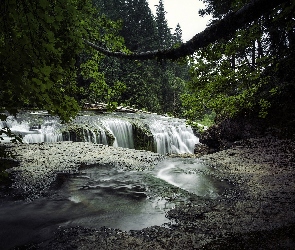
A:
(115, 187)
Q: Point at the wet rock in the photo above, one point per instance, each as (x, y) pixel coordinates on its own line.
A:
(228, 131)
(40, 164)
(258, 212)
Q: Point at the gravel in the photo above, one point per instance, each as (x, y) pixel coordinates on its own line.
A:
(40, 163)
(257, 213)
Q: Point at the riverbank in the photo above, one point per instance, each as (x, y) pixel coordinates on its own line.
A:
(41, 163)
(257, 213)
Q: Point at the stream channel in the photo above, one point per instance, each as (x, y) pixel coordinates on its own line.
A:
(102, 195)
(105, 196)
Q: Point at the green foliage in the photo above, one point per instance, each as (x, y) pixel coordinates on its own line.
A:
(208, 119)
(40, 43)
(7, 132)
(220, 88)
(40, 40)
(152, 85)
(241, 75)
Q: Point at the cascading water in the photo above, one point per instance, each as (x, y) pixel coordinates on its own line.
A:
(122, 131)
(173, 136)
(90, 127)
(170, 135)
(45, 133)
(32, 131)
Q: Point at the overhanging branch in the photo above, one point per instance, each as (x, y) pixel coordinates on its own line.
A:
(220, 30)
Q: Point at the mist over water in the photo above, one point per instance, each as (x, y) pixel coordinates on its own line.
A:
(105, 196)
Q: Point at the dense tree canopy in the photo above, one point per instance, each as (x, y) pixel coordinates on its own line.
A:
(149, 84)
(39, 44)
(52, 56)
(250, 71)
(222, 29)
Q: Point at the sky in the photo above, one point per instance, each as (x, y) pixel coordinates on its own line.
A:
(184, 12)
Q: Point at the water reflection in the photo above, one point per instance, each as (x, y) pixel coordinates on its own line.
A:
(112, 198)
(105, 196)
(190, 175)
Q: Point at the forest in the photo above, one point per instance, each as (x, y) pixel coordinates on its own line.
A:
(47, 63)
(86, 179)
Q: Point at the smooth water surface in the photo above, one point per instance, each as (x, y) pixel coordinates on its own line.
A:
(105, 196)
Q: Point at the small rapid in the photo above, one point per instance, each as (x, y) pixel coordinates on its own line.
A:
(121, 130)
(172, 135)
(169, 135)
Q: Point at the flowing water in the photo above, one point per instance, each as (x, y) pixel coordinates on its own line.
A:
(121, 130)
(170, 135)
(101, 195)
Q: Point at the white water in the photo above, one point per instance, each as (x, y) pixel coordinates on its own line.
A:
(122, 131)
(46, 133)
(34, 133)
(171, 135)
(187, 175)
(92, 130)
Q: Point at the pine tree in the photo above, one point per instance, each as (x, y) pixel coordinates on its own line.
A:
(164, 33)
(249, 73)
(149, 84)
(177, 35)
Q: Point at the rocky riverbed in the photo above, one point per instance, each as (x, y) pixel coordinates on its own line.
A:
(258, 212)
(40, 163)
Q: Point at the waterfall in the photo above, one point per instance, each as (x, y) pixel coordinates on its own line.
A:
(91, 136)
(32, 132)
(46, 133)
(173, 136)
(94, 128)
(169, 135)
(121, 130)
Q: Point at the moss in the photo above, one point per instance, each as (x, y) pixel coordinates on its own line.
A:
(110, 137)
(76, 133)
(143, 138)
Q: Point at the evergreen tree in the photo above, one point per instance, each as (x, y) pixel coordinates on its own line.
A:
(177, 35)
(139, 32)
(149, 84)
(244, 74)
(164, 33)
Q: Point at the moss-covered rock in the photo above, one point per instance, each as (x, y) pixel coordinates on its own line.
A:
(143, 137)
(79, 132)
(110, 137)
(82, 133)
